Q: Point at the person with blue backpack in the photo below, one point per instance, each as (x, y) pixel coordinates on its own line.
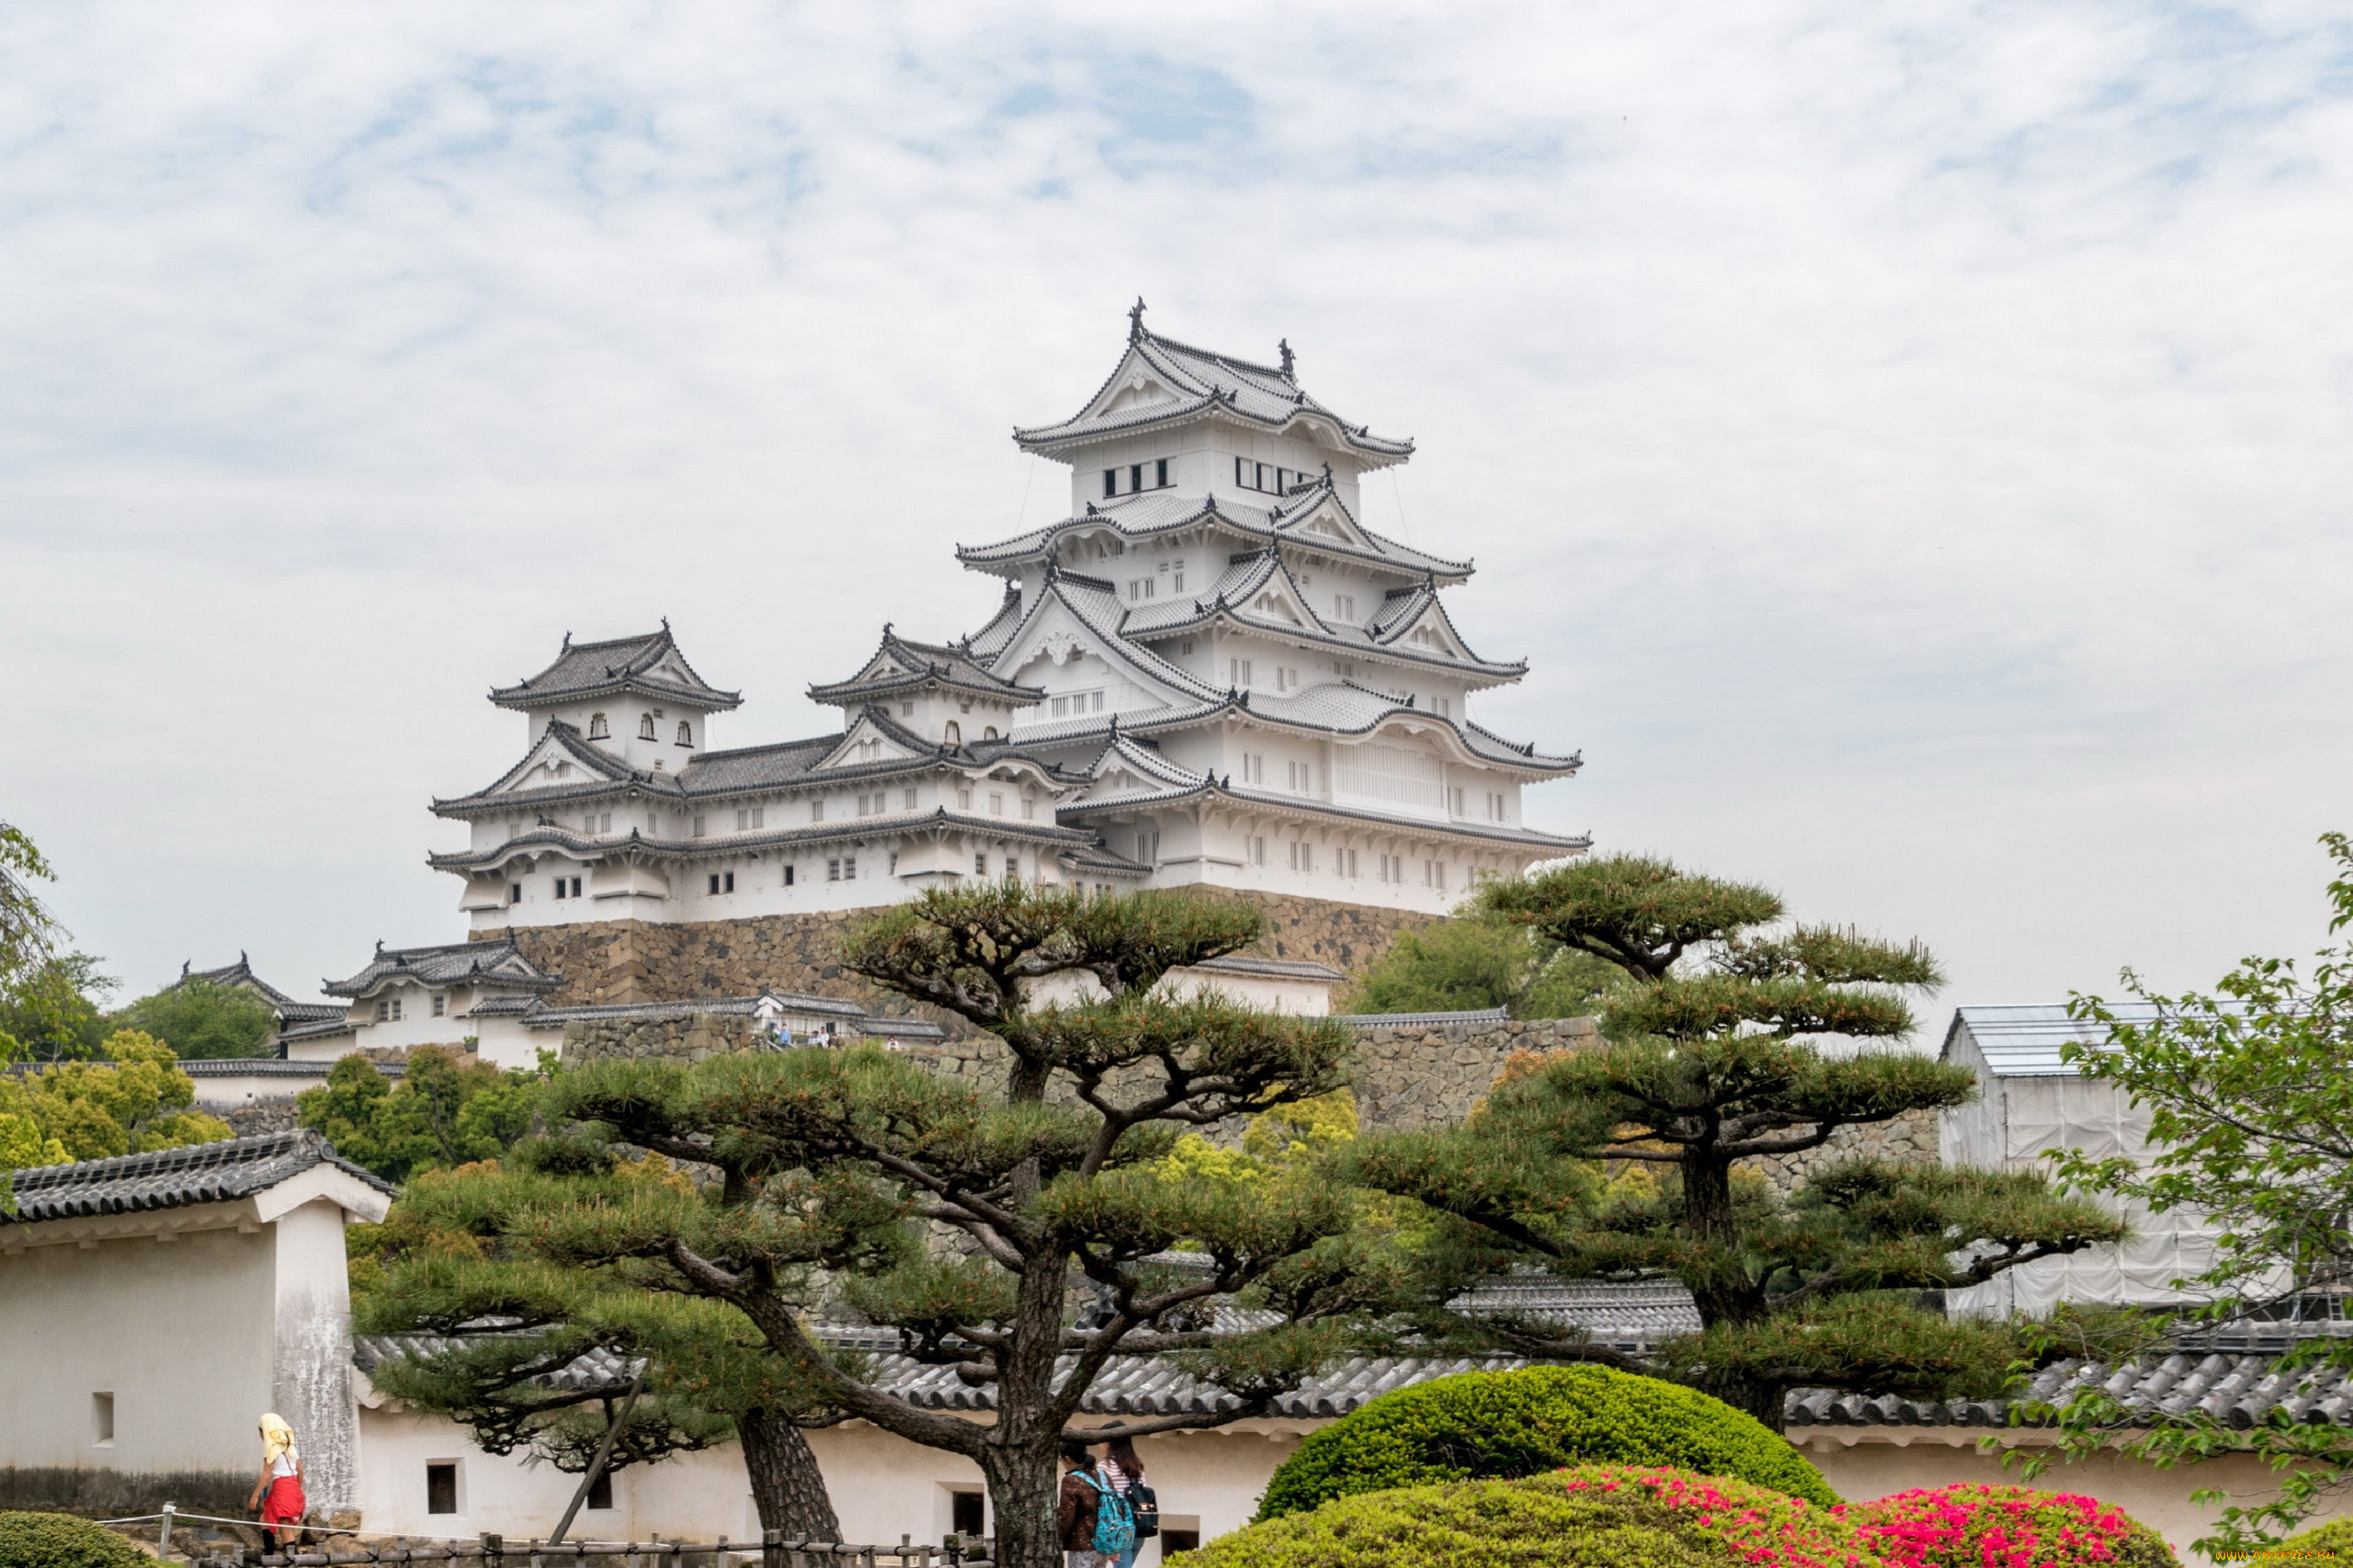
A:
(1097, 1527)
(1123, 1468)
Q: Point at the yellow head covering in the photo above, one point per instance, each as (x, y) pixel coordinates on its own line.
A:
(277, 1438)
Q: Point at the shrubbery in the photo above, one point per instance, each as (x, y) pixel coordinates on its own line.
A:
(1590, 1517)
(61, 1541)
(1504, 1424)
(2336, 1537)
(1971, 1525)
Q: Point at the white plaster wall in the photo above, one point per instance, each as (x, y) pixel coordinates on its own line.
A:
(312, 1373)
(232, 1093)
(2158, 1498)
(883, 1486)
(179, 1333)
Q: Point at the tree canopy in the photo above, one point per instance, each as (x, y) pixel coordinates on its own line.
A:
(135, 1102)
(1022, 1229)
(1476, 961)
(443, 1112)
(200, 1020)
(1626, 1160)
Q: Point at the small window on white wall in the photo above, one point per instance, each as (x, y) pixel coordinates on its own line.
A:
(597, 729)
(1257, 848)
(686, 733)
(441, 1005)
(102, 1421)
(645, 727)
(441, 1488)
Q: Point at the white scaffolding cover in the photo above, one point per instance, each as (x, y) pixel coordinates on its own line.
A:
(2031, 1102)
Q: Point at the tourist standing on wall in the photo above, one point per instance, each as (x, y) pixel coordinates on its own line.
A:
(1076, 1510)
(1124, 1470)
(278, 1494)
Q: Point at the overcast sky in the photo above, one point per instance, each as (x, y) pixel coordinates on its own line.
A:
(1908, 443)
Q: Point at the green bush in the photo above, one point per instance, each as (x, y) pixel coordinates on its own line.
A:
(1512, 1424)
(1591, 1516)
(2337, 1537)
(61, 1541)
(1971, 1523)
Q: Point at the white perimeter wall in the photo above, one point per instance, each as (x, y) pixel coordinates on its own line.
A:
(883, 1486)
(180, 1332)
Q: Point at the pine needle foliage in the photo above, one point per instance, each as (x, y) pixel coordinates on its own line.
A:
(1714, 1058)
(1057, 1231)
(512, 1272)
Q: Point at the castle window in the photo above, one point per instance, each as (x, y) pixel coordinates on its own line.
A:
(1344, 862)
(980, 864)
(600, 1493)
(996, 804)
(441, 1488)
(597, 729)
(817, 809)
(789, 876)
(906, 709)
(514, 892)
(686, 733)
(1344, 606)
(699, 821)
(1148, 847)
(965, 799)
(1258, 849)
(1160, 473)
(567, 887)
(907, 800)
(1302, 777)
(384, 1012)
(1254, 768)
(842, 870)
(1237, 673)
(1495, 808)
(1434, 874)
(1454, 800)
(895, 863)
(954, 735)
(1286, 679)
(989, 733)
(1028, 809)
(1445, 706)
(1176, 585)
(1302, 855)
(722, 881)
(645, 727)
(1142, 589)
(441, 1005)
(1110, 483)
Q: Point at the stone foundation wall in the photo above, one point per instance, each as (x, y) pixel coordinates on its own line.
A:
(694, 1038)
(1435, 1074)
(630, 960)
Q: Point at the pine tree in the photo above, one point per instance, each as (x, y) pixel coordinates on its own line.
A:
(473, 1246)
(1625, 1161)
(1047, 1200)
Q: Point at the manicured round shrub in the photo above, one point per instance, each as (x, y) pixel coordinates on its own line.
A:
(1589, 1516)
(1971, 1524)
(61, 1541)
(1503, 1425)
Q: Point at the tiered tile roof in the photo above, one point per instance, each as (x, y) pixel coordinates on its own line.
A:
(583, 670)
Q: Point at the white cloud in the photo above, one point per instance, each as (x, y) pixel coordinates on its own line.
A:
(1909, 445)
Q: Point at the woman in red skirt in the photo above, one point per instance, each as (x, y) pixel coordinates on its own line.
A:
(277, 1495)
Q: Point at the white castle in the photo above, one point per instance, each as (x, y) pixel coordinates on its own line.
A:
(1209, 672)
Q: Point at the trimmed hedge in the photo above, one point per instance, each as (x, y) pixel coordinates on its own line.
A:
(61, 1541)
(1591, 1516)
(2337, 1537)
(1971, 1524)
(1503, 1425)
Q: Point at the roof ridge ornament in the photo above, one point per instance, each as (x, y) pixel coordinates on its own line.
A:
(1288, 361)
(1135, 320)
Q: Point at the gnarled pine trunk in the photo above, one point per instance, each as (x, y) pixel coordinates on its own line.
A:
(787, 1486)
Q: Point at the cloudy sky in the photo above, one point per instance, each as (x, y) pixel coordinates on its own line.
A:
(1909, 443)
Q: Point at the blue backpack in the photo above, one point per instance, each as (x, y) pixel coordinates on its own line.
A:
(1114, 1522)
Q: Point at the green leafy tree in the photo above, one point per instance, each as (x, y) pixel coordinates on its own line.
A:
(54, 1015)
(1045, 1193)
(442, 1113)
(135, 1102)
(2249, 1093)
(1713, 1058)
(1476, 961)
(465, 1245)
(202, 1021)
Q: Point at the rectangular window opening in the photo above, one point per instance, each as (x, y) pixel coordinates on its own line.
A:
(600, 1493)
(102, 1420)
(966, 1515)
(441, 1489)
(788, 876)
(1110, 483)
